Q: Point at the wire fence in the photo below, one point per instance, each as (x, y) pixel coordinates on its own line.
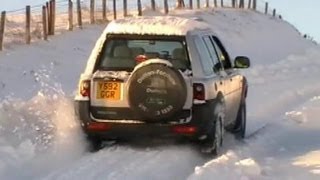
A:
(30, 24)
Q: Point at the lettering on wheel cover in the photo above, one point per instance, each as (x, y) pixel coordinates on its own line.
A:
(157, 72)
(154, 89)
(157, 92)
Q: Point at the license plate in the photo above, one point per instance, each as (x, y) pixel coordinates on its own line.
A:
(109, 90)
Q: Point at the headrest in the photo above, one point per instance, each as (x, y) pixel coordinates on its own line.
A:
(122, 52)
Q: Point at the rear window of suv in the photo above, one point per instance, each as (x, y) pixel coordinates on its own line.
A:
(123, 53)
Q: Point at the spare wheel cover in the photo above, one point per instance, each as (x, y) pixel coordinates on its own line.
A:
(156, 92)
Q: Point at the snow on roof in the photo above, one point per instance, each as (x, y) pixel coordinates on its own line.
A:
(155, 25)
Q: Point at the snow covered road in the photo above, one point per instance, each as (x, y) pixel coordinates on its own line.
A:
(40, 137)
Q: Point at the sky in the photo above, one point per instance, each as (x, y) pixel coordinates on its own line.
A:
(17, 4)
(304, 14)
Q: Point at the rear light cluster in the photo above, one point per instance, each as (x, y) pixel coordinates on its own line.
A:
(198, 91)
(85, 88)
(98, 126)
(184, 129)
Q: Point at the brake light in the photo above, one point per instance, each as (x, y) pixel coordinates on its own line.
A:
(184, 129)
(141, 58)
(85, 88)
(198, 91)
(98, 126)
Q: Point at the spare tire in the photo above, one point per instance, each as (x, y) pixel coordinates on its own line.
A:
(156, 92)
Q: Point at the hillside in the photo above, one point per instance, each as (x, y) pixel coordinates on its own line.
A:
(38, 128)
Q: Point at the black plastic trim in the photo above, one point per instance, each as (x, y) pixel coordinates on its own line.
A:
(111, 113)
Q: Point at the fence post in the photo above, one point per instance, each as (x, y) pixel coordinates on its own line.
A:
(125, 8)
(2, 26)
(79, 16)
(179, 4)
(70, 10)
(44, 23)
(215, 3)
(139, 8)
(92, 7)
(28, 25)
(114, 9)
(198, 4)
(166, 7)
(48, 18)
(274, 13)
(53, 16)
(153, 5)
(254, 5)
(241, 4)
(266, 8)
(221, 3)
(249, 4)
(190, 4)
(104, 10)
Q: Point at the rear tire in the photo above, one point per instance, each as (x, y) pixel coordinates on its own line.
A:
(94, 143)
(214, 141)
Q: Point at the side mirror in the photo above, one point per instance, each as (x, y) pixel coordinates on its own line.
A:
(242, 62)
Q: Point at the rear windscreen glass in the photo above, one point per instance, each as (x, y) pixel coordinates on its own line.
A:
(125, 54)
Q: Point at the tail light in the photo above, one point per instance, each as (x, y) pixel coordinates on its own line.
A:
(85, 88)
(184, 129)
(98, 126)
(198, 91)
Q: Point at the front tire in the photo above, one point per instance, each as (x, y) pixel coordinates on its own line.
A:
(218, 138)
(241, 122)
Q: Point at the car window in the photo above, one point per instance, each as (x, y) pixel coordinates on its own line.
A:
(125, 54)
(219, 52)
(206, 61)
(222, 54)
(212, 52)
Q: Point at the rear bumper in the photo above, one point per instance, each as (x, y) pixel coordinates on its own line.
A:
(130, 130)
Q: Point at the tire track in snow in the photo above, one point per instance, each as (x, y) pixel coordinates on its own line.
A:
(129, 162)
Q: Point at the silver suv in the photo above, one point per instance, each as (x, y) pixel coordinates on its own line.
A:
(162, 76)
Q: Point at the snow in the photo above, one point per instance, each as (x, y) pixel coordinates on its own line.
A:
(155, 25)
(311, 159)
(41, 139)
(46, 66)
(264, 39)
(112, 74)
(289, 150)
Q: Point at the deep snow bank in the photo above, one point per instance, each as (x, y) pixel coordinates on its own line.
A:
(41, 132)
(37, 123)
